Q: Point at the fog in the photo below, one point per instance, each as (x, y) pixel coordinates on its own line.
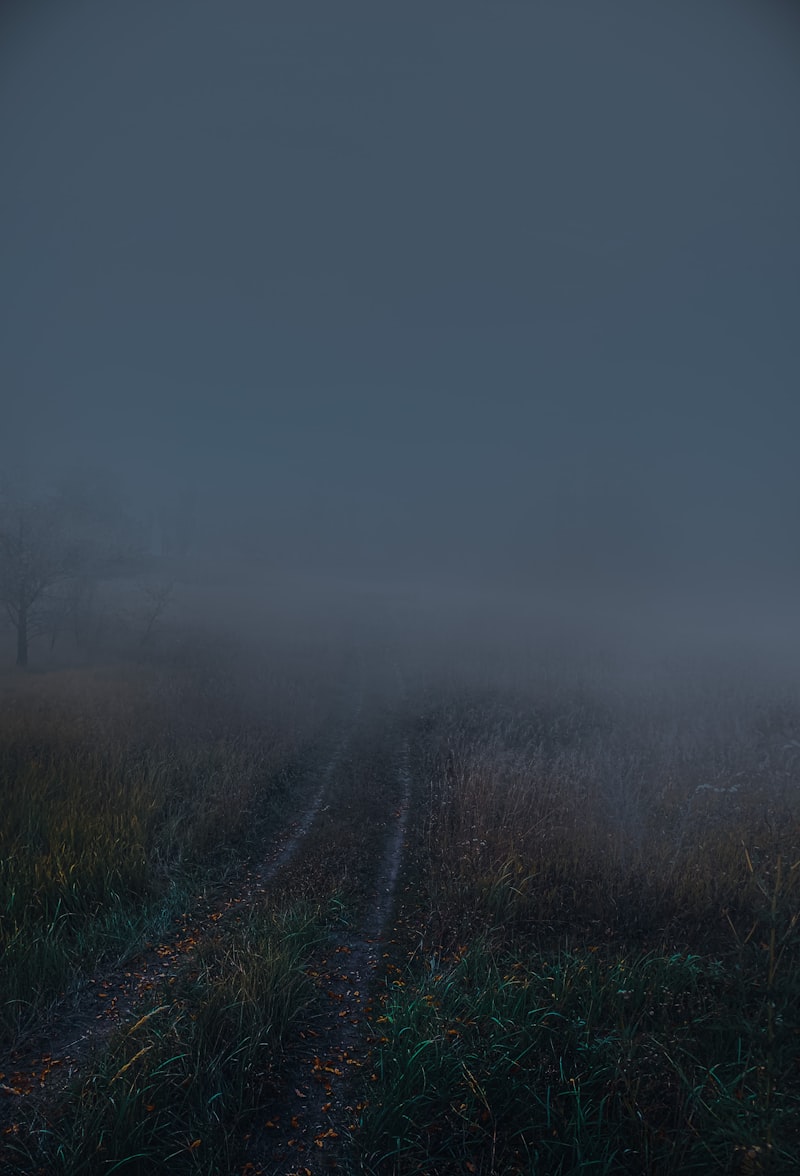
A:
(457, 318)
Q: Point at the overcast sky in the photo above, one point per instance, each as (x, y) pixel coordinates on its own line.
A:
(497, 288)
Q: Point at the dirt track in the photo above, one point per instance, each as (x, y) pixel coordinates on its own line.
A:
(55, 1050)
(311, 1108)
(314, 1113)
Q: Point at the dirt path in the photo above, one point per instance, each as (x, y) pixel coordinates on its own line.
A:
(45, 1061)
(311, 1119)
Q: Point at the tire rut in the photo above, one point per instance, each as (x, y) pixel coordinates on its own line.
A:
(311, 1120)
(53, 1053)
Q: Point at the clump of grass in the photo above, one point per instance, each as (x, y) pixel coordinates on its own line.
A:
(173, 1092)
(584, 1060)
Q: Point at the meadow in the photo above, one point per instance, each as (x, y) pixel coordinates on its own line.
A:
(124, 792)
(602, 925)
(590, 961)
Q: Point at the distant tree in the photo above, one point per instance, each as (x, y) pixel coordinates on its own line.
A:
(54, 549)
(36, 555)
(71, 607)
(157, 599)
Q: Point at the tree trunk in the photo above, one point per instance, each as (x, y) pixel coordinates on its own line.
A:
(22, 638)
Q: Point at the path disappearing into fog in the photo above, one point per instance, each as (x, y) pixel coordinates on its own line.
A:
(314, 1111)
(54, 1050)
(312, 1104)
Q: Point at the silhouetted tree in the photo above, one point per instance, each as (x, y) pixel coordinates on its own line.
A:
(36, 555)
(53, 549)
(157, 599)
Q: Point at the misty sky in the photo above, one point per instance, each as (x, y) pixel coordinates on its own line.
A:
(504, 288)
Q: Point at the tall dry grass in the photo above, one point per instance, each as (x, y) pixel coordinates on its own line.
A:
(125, 790)
(604, 950)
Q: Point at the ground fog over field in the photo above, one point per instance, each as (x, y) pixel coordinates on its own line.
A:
(399, 588)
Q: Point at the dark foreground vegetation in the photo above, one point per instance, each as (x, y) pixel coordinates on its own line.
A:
(123, 793)
(602, 925)
(593, 964)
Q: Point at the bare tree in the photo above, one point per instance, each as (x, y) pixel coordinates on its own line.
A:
(54, 550)
(36, 555)
(157, 598)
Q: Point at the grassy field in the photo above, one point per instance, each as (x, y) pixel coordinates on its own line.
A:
(122, 795)
(602, 929)
(176, 1090)
(593, 962)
